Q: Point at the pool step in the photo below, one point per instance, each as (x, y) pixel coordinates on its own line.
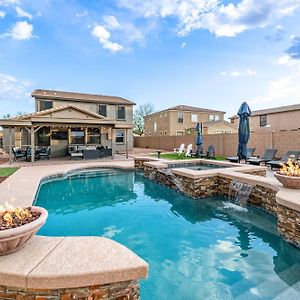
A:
(95, 173)
(276, 285)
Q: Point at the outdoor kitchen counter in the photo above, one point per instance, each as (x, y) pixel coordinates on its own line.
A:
(70, 262)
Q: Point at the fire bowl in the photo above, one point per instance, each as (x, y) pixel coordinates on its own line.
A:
(14, 239)
(291, 182)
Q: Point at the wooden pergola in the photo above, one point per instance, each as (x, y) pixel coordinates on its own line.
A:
(66, 116)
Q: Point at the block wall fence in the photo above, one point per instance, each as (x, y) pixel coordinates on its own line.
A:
(226, 143)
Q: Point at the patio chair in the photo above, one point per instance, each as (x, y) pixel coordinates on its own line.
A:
(235, 159)
(180, 150)
(28, 154)
(278, 163)
(210, 154)
(18, 153)
(267, 156)
(189, 150)
(45, 152)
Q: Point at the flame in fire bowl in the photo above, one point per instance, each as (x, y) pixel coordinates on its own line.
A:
(289, 174)
(18, 226)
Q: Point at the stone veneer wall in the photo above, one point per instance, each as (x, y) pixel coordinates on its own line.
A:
(262, 197)
(128, 290)
(288, 221)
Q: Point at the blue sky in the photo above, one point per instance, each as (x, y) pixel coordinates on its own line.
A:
(206, 53)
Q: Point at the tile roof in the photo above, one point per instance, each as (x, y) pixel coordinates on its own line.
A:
(272, 110)
(55, 109)
(73, 96)
(188, 108)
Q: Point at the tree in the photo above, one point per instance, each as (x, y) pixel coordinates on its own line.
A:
(140, 113)
(7, 116)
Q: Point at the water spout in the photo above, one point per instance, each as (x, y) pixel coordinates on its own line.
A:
(239, 192)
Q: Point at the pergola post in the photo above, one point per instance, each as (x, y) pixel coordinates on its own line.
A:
(126, 142)
(113, 142)
(32, 143)
(10, 145)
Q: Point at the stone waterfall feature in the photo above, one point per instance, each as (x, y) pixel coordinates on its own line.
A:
(239, 192)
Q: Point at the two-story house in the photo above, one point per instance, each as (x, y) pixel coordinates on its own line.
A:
(282, 118)
(178, 120)
(67, 118)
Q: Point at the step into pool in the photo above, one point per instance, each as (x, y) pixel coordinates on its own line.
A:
(196, 249)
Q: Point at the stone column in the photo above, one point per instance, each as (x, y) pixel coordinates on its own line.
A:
(32, 143)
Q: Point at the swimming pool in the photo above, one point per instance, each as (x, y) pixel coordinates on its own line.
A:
(196, 249)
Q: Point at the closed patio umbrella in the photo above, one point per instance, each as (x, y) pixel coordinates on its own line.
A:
(244, 130)
(199, 141)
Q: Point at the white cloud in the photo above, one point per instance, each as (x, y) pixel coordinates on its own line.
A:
(2, 14)
(248, 72)
(103, 35)
(21, 31)
(283, 89)
(9, 2)
(22, 13)
(12, 88)
(81, 14)
(183, 45)
(221, 20)
(111, 22)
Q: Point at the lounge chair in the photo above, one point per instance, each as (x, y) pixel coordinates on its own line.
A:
(267, 156)
(45, 152)
(18, 153)
(277, 163)
(180, 150)
(235, 159)
(210, 154)
(189, 150)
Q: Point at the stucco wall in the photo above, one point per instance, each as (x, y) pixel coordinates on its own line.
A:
(226, 143)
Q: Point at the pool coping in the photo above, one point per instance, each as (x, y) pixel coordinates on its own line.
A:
(240, 172)
(64, 262)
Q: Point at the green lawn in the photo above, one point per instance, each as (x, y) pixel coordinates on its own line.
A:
(174, 156)
(4, 172)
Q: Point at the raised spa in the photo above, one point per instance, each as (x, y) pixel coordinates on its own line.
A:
(196, 249)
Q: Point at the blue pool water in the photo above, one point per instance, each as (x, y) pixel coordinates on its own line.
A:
(196, 249)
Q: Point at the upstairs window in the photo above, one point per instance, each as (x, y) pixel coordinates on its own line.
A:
(121, 113)
(102, 110)
(194, 118)
(155, 127)
(263, 120)
(180, 118)
(214, 118)
(45, 105)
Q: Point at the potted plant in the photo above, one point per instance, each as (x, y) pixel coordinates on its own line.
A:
(18, 225)
(289, 174)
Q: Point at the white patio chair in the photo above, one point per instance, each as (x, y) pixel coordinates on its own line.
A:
(188, 150)
(180, 150)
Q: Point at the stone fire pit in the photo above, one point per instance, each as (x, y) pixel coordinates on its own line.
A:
(17, 226)
(289, 174)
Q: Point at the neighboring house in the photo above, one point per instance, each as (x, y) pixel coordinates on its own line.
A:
(283, 118)
(67, 118)
(218, 127)
(179, 119)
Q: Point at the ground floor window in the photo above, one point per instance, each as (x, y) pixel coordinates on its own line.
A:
(93, 136)
(120, 136)
(43, 136)
(77, 136)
